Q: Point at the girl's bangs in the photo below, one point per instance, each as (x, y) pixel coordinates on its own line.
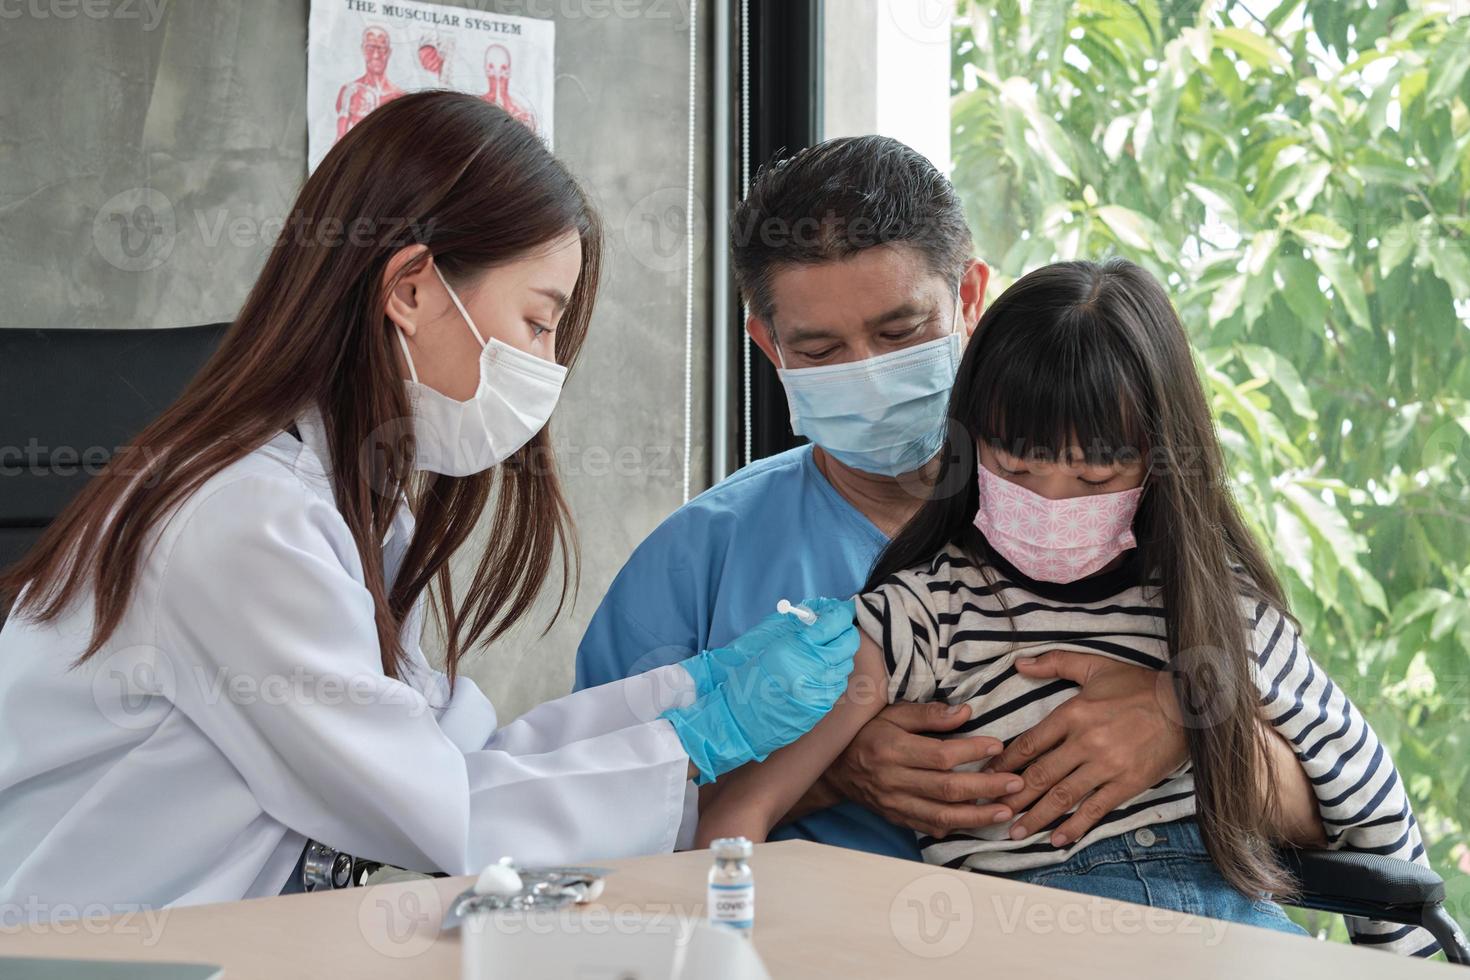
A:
(1059, 390)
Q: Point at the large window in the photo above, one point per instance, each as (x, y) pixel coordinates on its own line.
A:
(1297, 172)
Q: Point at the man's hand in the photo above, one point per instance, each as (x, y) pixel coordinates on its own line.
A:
(895, 770)
(1113, 740)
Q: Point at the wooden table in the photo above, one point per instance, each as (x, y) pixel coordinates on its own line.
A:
(820, 912)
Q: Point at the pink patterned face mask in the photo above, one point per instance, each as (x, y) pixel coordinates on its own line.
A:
(1055, 540)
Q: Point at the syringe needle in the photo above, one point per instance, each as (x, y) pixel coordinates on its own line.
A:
(786, 606)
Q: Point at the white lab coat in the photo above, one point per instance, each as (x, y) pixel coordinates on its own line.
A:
(241, 708)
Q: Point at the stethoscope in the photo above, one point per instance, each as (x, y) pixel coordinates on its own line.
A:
(325, 868)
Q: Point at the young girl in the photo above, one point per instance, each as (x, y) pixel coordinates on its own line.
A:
(1082, 505)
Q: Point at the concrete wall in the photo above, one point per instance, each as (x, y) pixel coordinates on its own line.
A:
(850, 69)
(886, 70)
(197, 110)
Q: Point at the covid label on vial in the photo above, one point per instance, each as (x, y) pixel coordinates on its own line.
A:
(732, 906)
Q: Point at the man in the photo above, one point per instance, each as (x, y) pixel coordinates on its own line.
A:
(856, 263)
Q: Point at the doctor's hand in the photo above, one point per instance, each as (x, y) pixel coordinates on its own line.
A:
(711, 668)
(775, 695)
(899, 771)
(1117, 737)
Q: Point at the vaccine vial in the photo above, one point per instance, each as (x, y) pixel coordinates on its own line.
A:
(731, 886)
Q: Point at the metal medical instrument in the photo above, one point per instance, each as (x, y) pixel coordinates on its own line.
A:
(503, 886)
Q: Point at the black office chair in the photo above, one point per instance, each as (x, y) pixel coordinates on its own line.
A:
(68, 400)
(1376, 887)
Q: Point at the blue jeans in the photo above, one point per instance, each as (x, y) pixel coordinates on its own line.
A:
(1165, 866)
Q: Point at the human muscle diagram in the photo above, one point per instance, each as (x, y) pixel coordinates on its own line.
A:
(362, 54)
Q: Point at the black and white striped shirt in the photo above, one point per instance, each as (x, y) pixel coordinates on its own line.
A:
(949, 635)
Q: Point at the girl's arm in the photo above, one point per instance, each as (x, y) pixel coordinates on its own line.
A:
(1360, 799)
(750, 800)
(1297, 819)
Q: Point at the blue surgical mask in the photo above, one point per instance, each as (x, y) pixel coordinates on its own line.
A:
(884, 415)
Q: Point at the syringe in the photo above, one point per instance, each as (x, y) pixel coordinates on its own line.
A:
(802, 613)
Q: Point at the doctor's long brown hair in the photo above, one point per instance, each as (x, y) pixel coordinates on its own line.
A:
(1094, 356)
(439, 169)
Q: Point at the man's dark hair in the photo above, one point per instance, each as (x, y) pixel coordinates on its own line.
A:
(841, 197)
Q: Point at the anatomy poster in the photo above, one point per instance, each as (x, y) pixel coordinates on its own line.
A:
(363, 53)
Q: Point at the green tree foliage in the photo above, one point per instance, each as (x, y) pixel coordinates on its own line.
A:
(1297, 172)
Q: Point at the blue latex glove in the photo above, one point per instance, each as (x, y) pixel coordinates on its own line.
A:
(774, 696)
(710, 668)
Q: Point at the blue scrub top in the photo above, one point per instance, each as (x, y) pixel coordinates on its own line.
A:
(716, 567)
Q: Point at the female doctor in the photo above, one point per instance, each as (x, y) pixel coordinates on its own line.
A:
(213, 654)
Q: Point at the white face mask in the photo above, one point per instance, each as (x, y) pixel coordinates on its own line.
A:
(514, 401)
